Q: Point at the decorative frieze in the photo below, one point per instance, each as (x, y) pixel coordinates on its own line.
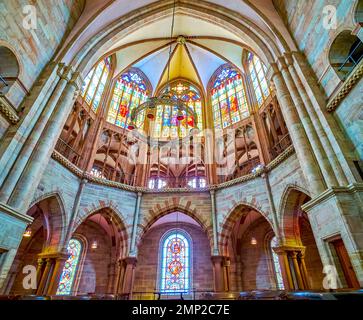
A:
(8, 110)
(346, 88)
(86, 175)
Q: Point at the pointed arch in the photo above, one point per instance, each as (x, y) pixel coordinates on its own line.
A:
(230, 220)
(158, 212)
(292, 199)
(114, 218)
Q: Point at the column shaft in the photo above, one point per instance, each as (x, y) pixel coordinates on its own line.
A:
(298, 136)
(33, 139)
(22, 195)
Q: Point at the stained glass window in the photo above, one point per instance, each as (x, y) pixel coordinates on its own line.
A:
(258, 77)
(130, 91)
(95, 82)
(157, 183)
(70, 268)
(166, 124)
(175, 264)
(277, 267)
(197, 182)
(229, 100)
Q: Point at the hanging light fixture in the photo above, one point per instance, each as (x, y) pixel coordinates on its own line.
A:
(253, 239)
(167, 98)
(94, 244)
(27, 233)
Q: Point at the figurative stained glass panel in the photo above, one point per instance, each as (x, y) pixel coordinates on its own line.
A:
(258, 77)
(166, 125)
(95, 83)
(277, 267)
(70, 268)
(175, 270)
(130, 91)
(229, 100)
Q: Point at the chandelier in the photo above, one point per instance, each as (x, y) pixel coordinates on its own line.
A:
(166, 99)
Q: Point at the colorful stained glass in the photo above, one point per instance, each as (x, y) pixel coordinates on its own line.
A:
(277, 267)
(70, 268)
(175, 270)
(258, 77)
(229, 100)
(130, 91)
(166, 124)
(95, 82)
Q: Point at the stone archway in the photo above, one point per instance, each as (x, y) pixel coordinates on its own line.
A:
(45, 238)
(243, 246)
(299, 241)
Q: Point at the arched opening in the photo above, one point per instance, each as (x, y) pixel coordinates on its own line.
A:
(42, 240)
(359, 12)
(156, 272)
(9, 69)
(306, 272)
(246, 242)
(104, 242)
(345, 54)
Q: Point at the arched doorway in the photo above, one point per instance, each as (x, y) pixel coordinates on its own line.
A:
(153, 258)
(9, 69)
(41, 243)
(246, 247)
(103, 239)
(305, 269)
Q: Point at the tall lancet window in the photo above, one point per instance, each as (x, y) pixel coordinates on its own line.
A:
(175, 267)
(277, 267)
(95, 83)
(166, 124)
(229, 100)
(70, 269)
(257, 72)
(131, 90)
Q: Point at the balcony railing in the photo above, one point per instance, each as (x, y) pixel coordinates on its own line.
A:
(68, 152)
(281, 146)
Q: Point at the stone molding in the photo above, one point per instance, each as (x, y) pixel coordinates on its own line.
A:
(87, 176)
(330, 193)
(18, 215)
(346, 88)
(8, 110)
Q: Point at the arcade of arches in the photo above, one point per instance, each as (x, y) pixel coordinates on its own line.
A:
(256, 183)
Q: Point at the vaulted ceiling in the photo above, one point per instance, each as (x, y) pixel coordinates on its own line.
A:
(195, 52)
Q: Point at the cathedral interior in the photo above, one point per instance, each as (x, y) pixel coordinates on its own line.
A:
(178, 148)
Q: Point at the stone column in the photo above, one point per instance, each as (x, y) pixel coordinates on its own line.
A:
(32, 107)
(75, 209)
(313, 138)
(297, 270)
(45, 276)
(130, 265)
(39, 272)
(340, 144)
(56, 274)
(119, 275)
(31, 142)
(303, 150)
(214, 223)
(277, 230)
(134, 225)
(304, 271)
(23, 192)
(285, 268)
(319, 138)
(218, 273)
